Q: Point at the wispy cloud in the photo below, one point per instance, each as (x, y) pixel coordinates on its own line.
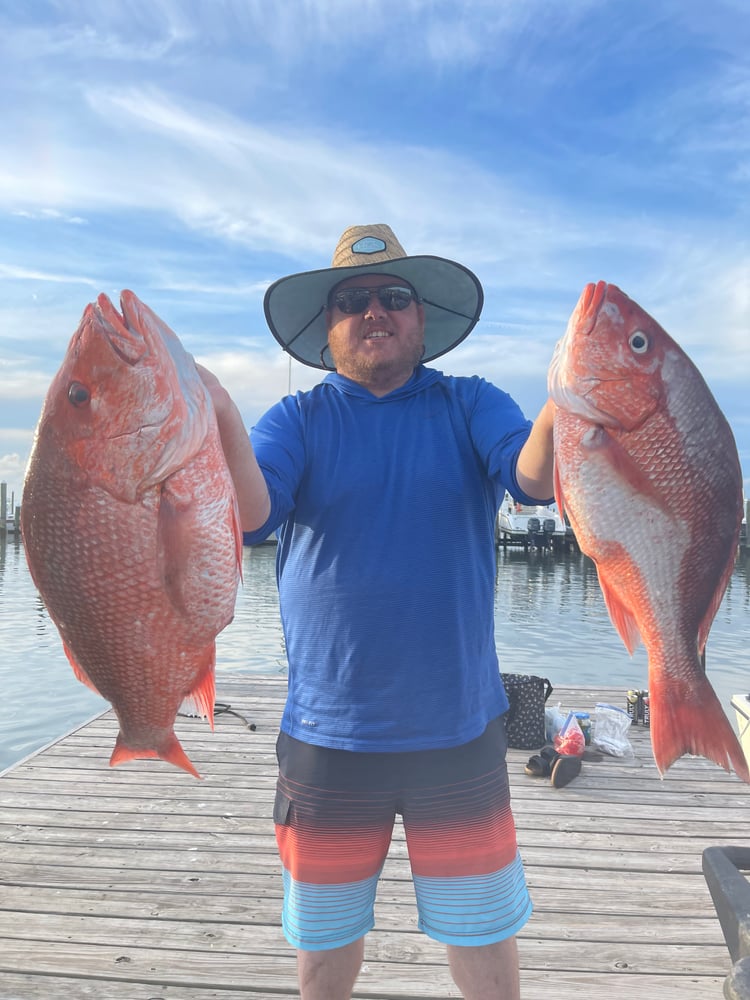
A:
(26, 274)
(50, 214)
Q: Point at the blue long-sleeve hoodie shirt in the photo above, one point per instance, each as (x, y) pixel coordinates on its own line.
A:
(386, 557)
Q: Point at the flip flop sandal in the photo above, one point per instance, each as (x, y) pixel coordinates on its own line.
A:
(540, 764)
(538, 767)
(564, 770)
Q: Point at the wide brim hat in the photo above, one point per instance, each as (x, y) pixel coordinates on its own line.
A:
(451, 295)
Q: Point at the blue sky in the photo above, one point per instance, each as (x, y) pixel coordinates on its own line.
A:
(195, 151)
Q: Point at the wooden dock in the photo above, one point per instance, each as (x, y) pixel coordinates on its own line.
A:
(141, 883)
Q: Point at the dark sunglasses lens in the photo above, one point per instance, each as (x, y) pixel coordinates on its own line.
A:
(352, 300)
(394, 298)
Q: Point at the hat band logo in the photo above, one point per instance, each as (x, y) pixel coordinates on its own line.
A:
(368, 244)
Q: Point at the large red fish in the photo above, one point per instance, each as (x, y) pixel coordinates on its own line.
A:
(648, 472)
(130, 523)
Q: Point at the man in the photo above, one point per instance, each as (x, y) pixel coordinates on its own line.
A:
(385, 480)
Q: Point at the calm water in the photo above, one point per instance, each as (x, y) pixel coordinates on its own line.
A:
(550, 620)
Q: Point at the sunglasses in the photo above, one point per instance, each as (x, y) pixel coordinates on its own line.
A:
(394, 298)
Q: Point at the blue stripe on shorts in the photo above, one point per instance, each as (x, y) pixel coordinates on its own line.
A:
(476, 909)
(318, 917)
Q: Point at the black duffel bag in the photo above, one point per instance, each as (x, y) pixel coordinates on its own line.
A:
(524, 722)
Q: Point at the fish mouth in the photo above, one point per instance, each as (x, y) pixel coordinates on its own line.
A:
(571, 391)
(128, 343)
(181, 412)
(590, 302)
(584, 316)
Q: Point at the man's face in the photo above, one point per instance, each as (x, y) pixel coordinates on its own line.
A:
(379, 345)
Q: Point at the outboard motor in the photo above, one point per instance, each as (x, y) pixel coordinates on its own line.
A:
(533, 528)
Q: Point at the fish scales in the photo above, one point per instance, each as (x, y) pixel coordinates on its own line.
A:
(130, 524)
(647, 471)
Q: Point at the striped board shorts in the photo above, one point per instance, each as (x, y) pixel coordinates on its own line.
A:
(334, 814)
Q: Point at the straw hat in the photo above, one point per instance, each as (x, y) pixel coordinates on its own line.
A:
(451, 295)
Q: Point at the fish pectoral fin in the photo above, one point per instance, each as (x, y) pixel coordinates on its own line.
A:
(600, 444)
(622, 617)
(638, 399)
(175, 544)
(79, 672)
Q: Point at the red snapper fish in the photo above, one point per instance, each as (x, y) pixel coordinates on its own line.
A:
(130, 524)
(647, 470)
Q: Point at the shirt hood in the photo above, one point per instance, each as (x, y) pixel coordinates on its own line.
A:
(420, 379)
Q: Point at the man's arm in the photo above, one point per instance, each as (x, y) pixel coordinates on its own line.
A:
(249, 483)
(534, 470)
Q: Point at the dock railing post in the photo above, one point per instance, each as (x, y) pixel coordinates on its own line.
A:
(724, 870)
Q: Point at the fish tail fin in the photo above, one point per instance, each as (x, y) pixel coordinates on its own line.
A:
(169, 750)
(688, 718)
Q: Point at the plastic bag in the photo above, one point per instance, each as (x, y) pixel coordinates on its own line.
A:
(570, 740)
(554, 720)
(611, 724)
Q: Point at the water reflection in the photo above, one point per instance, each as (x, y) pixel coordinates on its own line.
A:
(41, 697)
(254, 642)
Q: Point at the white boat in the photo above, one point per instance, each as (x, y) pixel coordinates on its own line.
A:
(9, 513)
(536, 526)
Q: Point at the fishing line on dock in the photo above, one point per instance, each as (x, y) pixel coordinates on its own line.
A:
(222, 708)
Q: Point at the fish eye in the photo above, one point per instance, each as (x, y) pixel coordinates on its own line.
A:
(639, 342)
(78, 394)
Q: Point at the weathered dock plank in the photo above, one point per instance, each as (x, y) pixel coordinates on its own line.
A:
(142, 883)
